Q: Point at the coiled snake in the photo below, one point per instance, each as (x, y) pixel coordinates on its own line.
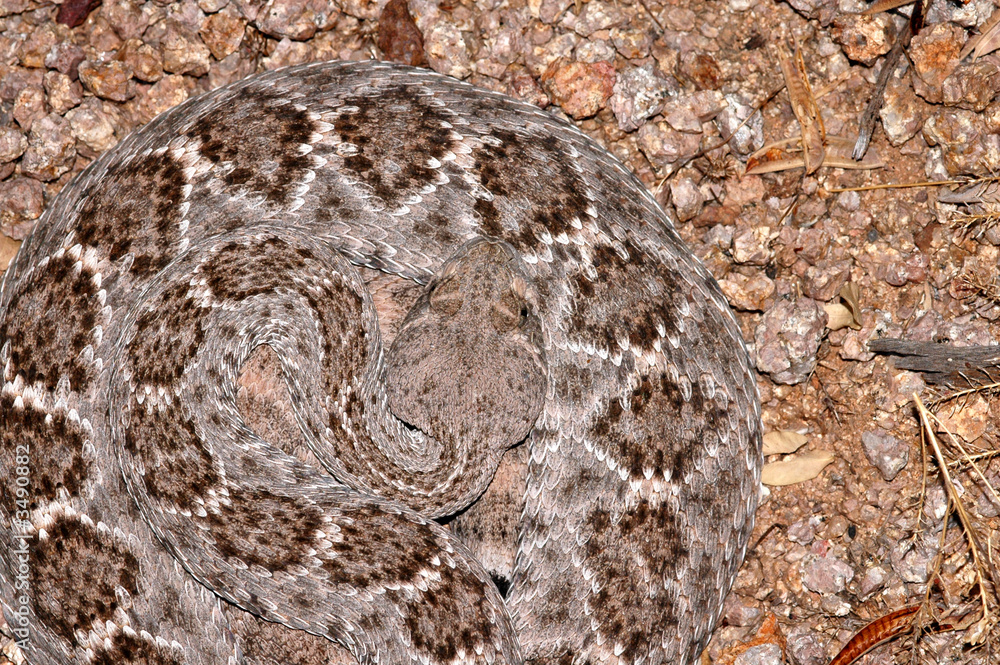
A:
(273, 223)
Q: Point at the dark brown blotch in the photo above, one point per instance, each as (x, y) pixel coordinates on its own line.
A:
(658, 429)
(265, 529)
(629, 298)
(239, 271)
(450, 617)
(538, 169)
(55, 459)
(168, 334)
(135, 209)
(178, 466)
(395, 134)
(379, 548)
(49, 321)
(257, 137)
(134, 650)
(74, 573)
(649, 536)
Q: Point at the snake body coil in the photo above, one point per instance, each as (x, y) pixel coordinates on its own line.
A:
(548, 297)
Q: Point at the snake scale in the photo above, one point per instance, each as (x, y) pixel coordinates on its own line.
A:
(225, 276)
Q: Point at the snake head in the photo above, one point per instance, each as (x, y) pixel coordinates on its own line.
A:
(467, 366)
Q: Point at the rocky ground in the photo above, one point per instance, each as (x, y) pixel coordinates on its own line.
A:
(658, 82)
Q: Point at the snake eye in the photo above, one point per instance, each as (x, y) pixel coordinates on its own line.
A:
(524, 315)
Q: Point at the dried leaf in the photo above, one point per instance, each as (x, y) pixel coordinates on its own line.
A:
(838, 155)
(796, 469)
(8, 248)
(987, 41)
(979, 632)
(777, 156)
(879, 631)
(838, 316)
(850, 293)
(783, 442)
(976, 192)
(884, 6)
(787, 154)
(804, 106)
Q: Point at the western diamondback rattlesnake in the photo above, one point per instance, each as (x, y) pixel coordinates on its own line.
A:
(240, 220)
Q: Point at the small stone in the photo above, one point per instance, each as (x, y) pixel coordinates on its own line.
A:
(558, 48)
(594, 50)
(686, 197)
(972, 86)
(29, 106)
(638, 95)
(873, 580)
(900, 391)
(748, 294)
(102, 37)
(212, 6)
(223, 32)
(824, 10)
(824, 280)
(663, 145)
(580, 89)
(887, 453)
(807, 649)
(681, 19)
(714, 215)
(287, 53)
(969, 422)
(826, 575)
(902, 112)
(51, 149)
(864, 37)
(145, 61)
(295, 19)
(958, 132)
(550, 10)
(108, 80)
(446, 49)
(504, 42)
(803, 532)
(738, 613)
(523, 86)
(834, 605)
(687, 113)
(21, 203)
(183, 51)
(745, 137)
(761, 654)
(912, 558)
(33, 50)
(787, 339)
(597, 15)
(934, 54)
(16, 79)
(72, 13)
(126, 17)
(700, 69)
(65, 57)
(92, 126)
(752, 246)
(167, 93)
(12, 144)
(63, 92)
(633, 41)
(363, 9)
